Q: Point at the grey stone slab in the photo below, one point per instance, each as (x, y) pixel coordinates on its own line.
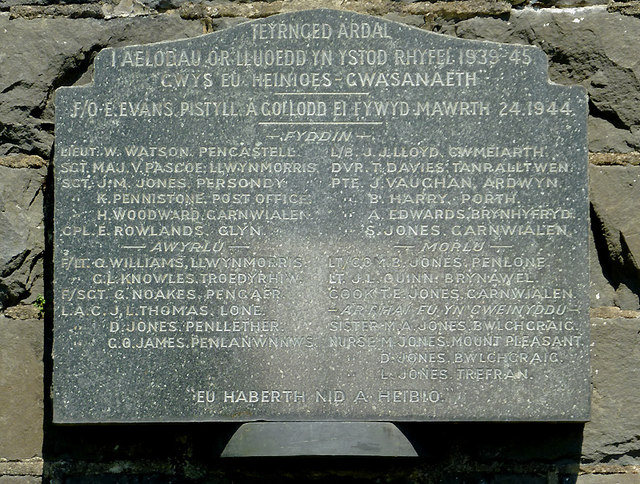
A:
(321, 216)
(263, 439)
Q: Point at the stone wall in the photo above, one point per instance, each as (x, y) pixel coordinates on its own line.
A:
(45, 44)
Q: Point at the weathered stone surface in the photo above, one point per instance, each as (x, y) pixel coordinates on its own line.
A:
(24, 311)
(459, 9)
(588, 46)
(613, 435)
(125, 8)
(20, 480)
(610, 312)
(69, 11)
(22, 161)
(632, 158)
(566, 3)
(40, 55)
(630, 478)
(413, 20)
(149, 5)
(615, 200)
(21, 388)
(462, 9)
(602, 292)
(6, 4)
(25, 468)
(22, 229)
(331, 471)
(605, 137)
(625, 8)
(32, 466)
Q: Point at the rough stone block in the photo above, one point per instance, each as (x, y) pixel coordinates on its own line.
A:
(585, 45)
(615, 200)
(613, 435)
(41, 54)
(21, 388)
(22, 229)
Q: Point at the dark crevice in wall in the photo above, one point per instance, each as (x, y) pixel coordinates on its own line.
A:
(35, 195)
(13, 291)
(616, 260)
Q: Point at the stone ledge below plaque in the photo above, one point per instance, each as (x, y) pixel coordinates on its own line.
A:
(271, 439)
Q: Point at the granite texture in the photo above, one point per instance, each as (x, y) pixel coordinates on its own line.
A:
(400, 214)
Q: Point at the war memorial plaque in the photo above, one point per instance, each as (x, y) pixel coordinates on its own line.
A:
(321, 216)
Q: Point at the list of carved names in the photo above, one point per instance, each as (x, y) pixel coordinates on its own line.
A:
(322, 189)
